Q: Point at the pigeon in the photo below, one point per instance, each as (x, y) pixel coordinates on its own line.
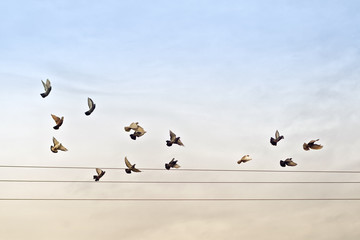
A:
(91, 107)
(99, 175)
(172, 164)
(138, 130)
(173, 140)
(57, 146)
(277, 138)
(287, 162)
(58, 121)
(130, 167)
(312, 145)
(244, 159)
(47, 87)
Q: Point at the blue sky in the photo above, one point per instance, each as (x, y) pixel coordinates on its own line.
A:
(223, 75)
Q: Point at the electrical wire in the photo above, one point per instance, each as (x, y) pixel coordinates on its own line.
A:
(179, 199)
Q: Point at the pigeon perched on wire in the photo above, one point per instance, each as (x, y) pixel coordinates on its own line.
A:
(57, 146)
(277, 138)
(173, 140)
(91, 105)
(287, 162)
(99, 175)
(312, 145)
(58, 121)
(172, 164)
(244, 159)
(47, 87)
(138, 130)
(130, 167)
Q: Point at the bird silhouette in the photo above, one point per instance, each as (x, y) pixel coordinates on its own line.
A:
(312, 145)
(130, 167)
(172, 164)
(57, 146)
(58, 121)
(173, 140)
(287, 162)
(91, 105)
(244, 159)
(138, 130)
(47, 87)
(99, 175)
(277, 138)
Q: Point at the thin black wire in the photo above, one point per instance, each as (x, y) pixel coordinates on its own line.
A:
(187, 169)
(176, 182)
(179, 199)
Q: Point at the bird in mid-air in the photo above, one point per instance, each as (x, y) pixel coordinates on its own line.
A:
(99, 175)
(172, 164)
(312, 145)
(173, 140)
(47, 87)
(91, 107)
(57, 146)
(277, 138)
(244, 159)
(58, 121)
(287, 162)
(130, 167)
(138, 130)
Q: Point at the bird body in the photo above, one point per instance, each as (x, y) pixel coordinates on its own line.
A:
(58, 121)
(91, 105)
(287, 162)
(172, 164)
(138, 130)
(57, 146)
(131, 168)
(47, 87)
(99, 175)
(173, 140)
(277, 138)
(244, 159)
(312, 145)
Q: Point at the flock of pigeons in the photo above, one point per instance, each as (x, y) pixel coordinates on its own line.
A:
(139, 131)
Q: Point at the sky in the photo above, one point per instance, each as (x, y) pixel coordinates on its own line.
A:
(222, 75)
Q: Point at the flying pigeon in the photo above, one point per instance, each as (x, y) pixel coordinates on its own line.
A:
(312, 145)
(58, 121)
(138, 130)
(91, 107)
(277, 138)
(130, 167)
(173, 140)
(244, 159)
(287, 162)
(57, 146)
(172, 164)
(47, 87)
(99, 175)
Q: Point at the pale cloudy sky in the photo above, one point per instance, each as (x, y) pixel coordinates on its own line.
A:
(223, 75)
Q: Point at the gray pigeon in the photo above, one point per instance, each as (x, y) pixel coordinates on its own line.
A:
(91, 105)
(173, 140)
(138, 130)
(172, 164)
(99, 175)
(277, 138)
(57, 146)
(130, 167)
(312, 145)
(244, 159)
(58, 121)
(287, 162)
(47, 87)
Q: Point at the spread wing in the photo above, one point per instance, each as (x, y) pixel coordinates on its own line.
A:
(246, 158)
(98, 171)
(127, 163)
(180, 142)
(135, 170)
(172, 136)
(48, 84)
(62, 148)
(90, 103)
(289, 162)
(176, 165)
(313, 141)
(140, 131)
(56, 142)
(316, 146)
(44, 85)
(56, 118)
(277, 135)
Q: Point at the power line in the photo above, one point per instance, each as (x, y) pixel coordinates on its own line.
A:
(185, 169)
(176, 182)
(179, 199)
